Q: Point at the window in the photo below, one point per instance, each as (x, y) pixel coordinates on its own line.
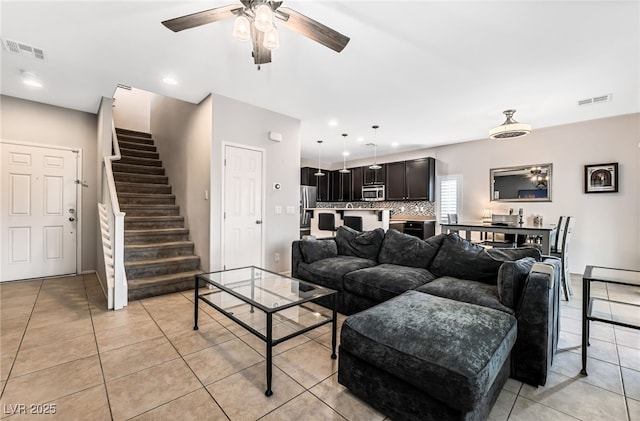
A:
(449, 196)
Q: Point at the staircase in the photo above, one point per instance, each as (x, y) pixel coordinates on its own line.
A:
(158, 256)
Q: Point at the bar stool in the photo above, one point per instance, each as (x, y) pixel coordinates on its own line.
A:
(561, 250)
(354, 222)
(327, 222)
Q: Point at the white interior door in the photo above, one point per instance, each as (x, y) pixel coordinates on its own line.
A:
(242, 207)
(38, 212)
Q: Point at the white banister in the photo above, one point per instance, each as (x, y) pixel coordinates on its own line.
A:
(112, 231)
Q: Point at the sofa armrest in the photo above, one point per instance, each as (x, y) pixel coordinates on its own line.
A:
(296, 252)
(538, 323)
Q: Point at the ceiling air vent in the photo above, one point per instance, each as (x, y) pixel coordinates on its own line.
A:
(595, 100)
(23, 49)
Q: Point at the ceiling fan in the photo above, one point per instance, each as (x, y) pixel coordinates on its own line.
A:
(255, 19)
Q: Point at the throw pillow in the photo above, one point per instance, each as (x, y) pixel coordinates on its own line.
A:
(314, 250)
(359, 244)
(462, 259)
(407, 250)
(511, 279)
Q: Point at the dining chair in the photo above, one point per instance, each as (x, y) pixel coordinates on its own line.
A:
(561, 250)
(452, 218)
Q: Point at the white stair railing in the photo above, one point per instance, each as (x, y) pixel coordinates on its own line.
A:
(112, 231)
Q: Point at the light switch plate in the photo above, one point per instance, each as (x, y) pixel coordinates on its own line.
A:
(278, 210)
(291, 210)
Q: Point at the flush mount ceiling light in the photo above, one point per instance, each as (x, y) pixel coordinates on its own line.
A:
(255, 20)
(168, 80)
(375, 165)
(30, 79)
(344, 169)
(319, 173)
(510, 129)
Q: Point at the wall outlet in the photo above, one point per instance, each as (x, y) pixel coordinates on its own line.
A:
(276, 257)
(291, 210)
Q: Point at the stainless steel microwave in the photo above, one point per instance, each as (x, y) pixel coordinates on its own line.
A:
(373, 193)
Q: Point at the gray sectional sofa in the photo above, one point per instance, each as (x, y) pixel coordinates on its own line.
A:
(436, 325)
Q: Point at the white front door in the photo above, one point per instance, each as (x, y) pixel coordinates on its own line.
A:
(242, 207)
(37, 212)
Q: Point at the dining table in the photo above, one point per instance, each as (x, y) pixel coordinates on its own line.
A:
(544, 232)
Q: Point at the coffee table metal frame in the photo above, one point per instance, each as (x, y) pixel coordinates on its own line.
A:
(608, 276)
(317, 291)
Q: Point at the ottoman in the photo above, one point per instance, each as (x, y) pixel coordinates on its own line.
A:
(422, 357)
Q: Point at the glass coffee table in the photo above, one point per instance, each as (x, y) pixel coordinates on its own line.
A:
(606, 310)
(283, 302)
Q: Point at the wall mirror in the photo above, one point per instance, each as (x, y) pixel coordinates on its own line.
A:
(525, 183)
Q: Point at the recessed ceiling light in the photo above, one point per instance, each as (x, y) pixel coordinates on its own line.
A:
(333, 123)
(345, 153)
(169, 80)
(395, 144)
(30, 79)
(360, 139)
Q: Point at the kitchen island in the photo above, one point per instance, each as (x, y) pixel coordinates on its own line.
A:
(372, 218)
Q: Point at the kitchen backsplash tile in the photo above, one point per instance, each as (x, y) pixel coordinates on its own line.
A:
(417, 208)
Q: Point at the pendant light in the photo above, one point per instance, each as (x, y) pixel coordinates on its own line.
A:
(510, 129)
(319, 173)
(375, 165)
(344, 169)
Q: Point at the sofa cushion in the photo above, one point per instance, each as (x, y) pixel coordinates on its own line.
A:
(314, 250)
(471, 292)
(385, 281)
(330, 272)
(408, 250)
(360, 244)
(450, 350)
(462, 259)
(511, 279)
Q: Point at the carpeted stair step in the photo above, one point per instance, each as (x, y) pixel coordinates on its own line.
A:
(135, 160)
(149, 199)
(135, 139)
(142, 188)
(137, 252)
(139, 153)
(158, 285)
(150, 210)
(145, 147)
(152, 222)
(140, 178)
(127, 132)
(158, 267)
(155, 235)
(137, 169)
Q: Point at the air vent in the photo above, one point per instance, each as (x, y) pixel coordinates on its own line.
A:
(21, 48)
(595, 100)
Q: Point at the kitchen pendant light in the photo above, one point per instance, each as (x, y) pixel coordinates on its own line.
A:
(344, 169)
(510, 129)
(375, 165)
(319, 173)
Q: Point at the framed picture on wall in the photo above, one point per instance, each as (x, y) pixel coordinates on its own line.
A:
(601, 178)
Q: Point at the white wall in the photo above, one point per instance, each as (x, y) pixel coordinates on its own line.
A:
(607, 230)
(132, 109)
(35, 122)
(182, 134)
(244, 124)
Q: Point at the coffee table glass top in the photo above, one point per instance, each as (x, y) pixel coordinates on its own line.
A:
(266, 290)
(627, 277)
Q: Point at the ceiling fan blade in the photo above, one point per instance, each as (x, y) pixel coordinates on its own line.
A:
(202, 18)
(312, 29)
(261, 54)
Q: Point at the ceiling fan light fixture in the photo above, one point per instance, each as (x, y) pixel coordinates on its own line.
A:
(263, 20)
(242, 28)
(271, 39)
(510, 129)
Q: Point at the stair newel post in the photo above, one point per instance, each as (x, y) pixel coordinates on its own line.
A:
(120, 296)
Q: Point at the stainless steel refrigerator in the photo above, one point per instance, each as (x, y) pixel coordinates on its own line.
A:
(307, 201)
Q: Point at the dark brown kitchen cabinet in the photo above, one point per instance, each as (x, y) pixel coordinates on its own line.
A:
(374, 176)
(357, 180)
(308, 178)
(420, 177)
(395, 184)
(340, 188)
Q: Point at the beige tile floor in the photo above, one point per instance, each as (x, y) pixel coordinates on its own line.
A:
(60, 347)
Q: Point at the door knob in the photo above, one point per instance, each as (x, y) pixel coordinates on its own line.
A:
(72, 219)
(258, 222)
